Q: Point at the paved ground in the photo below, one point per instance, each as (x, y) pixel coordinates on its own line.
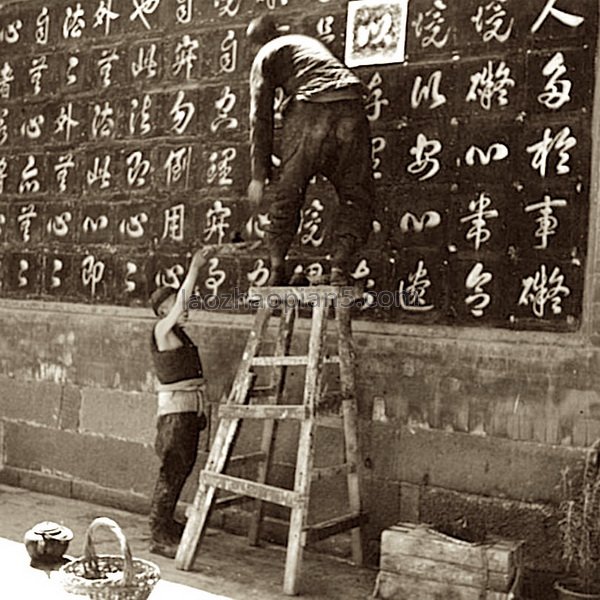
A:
(226, 565)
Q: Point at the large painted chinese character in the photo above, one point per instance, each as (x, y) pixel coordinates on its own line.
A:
(103, 123)
(177, 165)
(100, 173)
(29, 183)
(491, 82)
(413, 294)
(25, 219)
(375, 101)
(229, 49)
(429, 91)
(550, 10)
(556, 91)
(491, 21)
(3, 172)
(92, 273)
(174, 223)
(311, 225)
(424, 152)
(220, 168)
(227, 8)
(185, 11)
(7, 76)
(325, 29)
(11, 32)
(32, 128)
(74, 22)
(541, 291)
(139, 116)
(71, 75)
(133, 226)
(495, 152)
(186, 55)
(224, 105)
(259, 275)
(62, 169)
(143, 8)
(547, 222)
(36, 72)
(58, 225)
(216, 277)
(409, 222)
(105, 66)
(145, 62)
(430, 26)
(104, 16)
(478, 299)
(42, 26)
(3, 126)
(216, 222)
(378, 145)
(65, 123)
(562, 142)
(181, 113)
(480, 213)
(138, 168)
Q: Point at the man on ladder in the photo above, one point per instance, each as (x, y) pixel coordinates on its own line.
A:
(325, 132)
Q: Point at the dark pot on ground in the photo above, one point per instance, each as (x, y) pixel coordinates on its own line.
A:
(572, 589)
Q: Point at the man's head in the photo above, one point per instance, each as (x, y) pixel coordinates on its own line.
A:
(162, 299)
(262, 30)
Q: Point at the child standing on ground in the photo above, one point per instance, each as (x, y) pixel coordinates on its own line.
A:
(180, 417)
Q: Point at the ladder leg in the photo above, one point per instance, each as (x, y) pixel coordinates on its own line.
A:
(282, 348)
(200, 509)
(312, 389)
(347, 355)
(298, 519)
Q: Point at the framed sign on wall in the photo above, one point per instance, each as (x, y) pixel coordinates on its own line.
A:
(376, 32)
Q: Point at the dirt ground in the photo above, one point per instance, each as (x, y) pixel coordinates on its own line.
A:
(226, 565)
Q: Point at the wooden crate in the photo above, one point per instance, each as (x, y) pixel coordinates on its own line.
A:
(419, 563)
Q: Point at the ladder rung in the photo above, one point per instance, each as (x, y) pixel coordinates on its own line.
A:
(292, 296)
(263, 392)
(263, 411)
(262, 491)
(320, 531)
(331, 422)
(247, 458)
(230, 501)
(319, 473)
(288, 361)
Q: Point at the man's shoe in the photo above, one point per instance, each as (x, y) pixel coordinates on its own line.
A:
(299, 280)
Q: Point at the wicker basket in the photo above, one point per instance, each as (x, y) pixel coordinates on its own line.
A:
(109, 577)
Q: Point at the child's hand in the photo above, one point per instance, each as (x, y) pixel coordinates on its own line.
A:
(200, 257)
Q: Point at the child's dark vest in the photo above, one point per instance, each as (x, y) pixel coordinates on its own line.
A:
(179, 364)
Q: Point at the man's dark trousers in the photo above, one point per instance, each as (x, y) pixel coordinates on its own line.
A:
(332, 139)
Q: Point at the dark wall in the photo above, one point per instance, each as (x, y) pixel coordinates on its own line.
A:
(123, 146)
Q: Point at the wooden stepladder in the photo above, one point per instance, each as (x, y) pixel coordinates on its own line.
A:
(242, 404)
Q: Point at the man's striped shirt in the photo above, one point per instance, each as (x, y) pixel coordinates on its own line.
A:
(307, 71)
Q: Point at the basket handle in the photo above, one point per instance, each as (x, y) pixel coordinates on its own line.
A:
(89, 550)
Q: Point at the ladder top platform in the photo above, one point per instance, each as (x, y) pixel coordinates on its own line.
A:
(345, 296)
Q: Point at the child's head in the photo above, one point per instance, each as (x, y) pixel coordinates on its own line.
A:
(162, 299)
